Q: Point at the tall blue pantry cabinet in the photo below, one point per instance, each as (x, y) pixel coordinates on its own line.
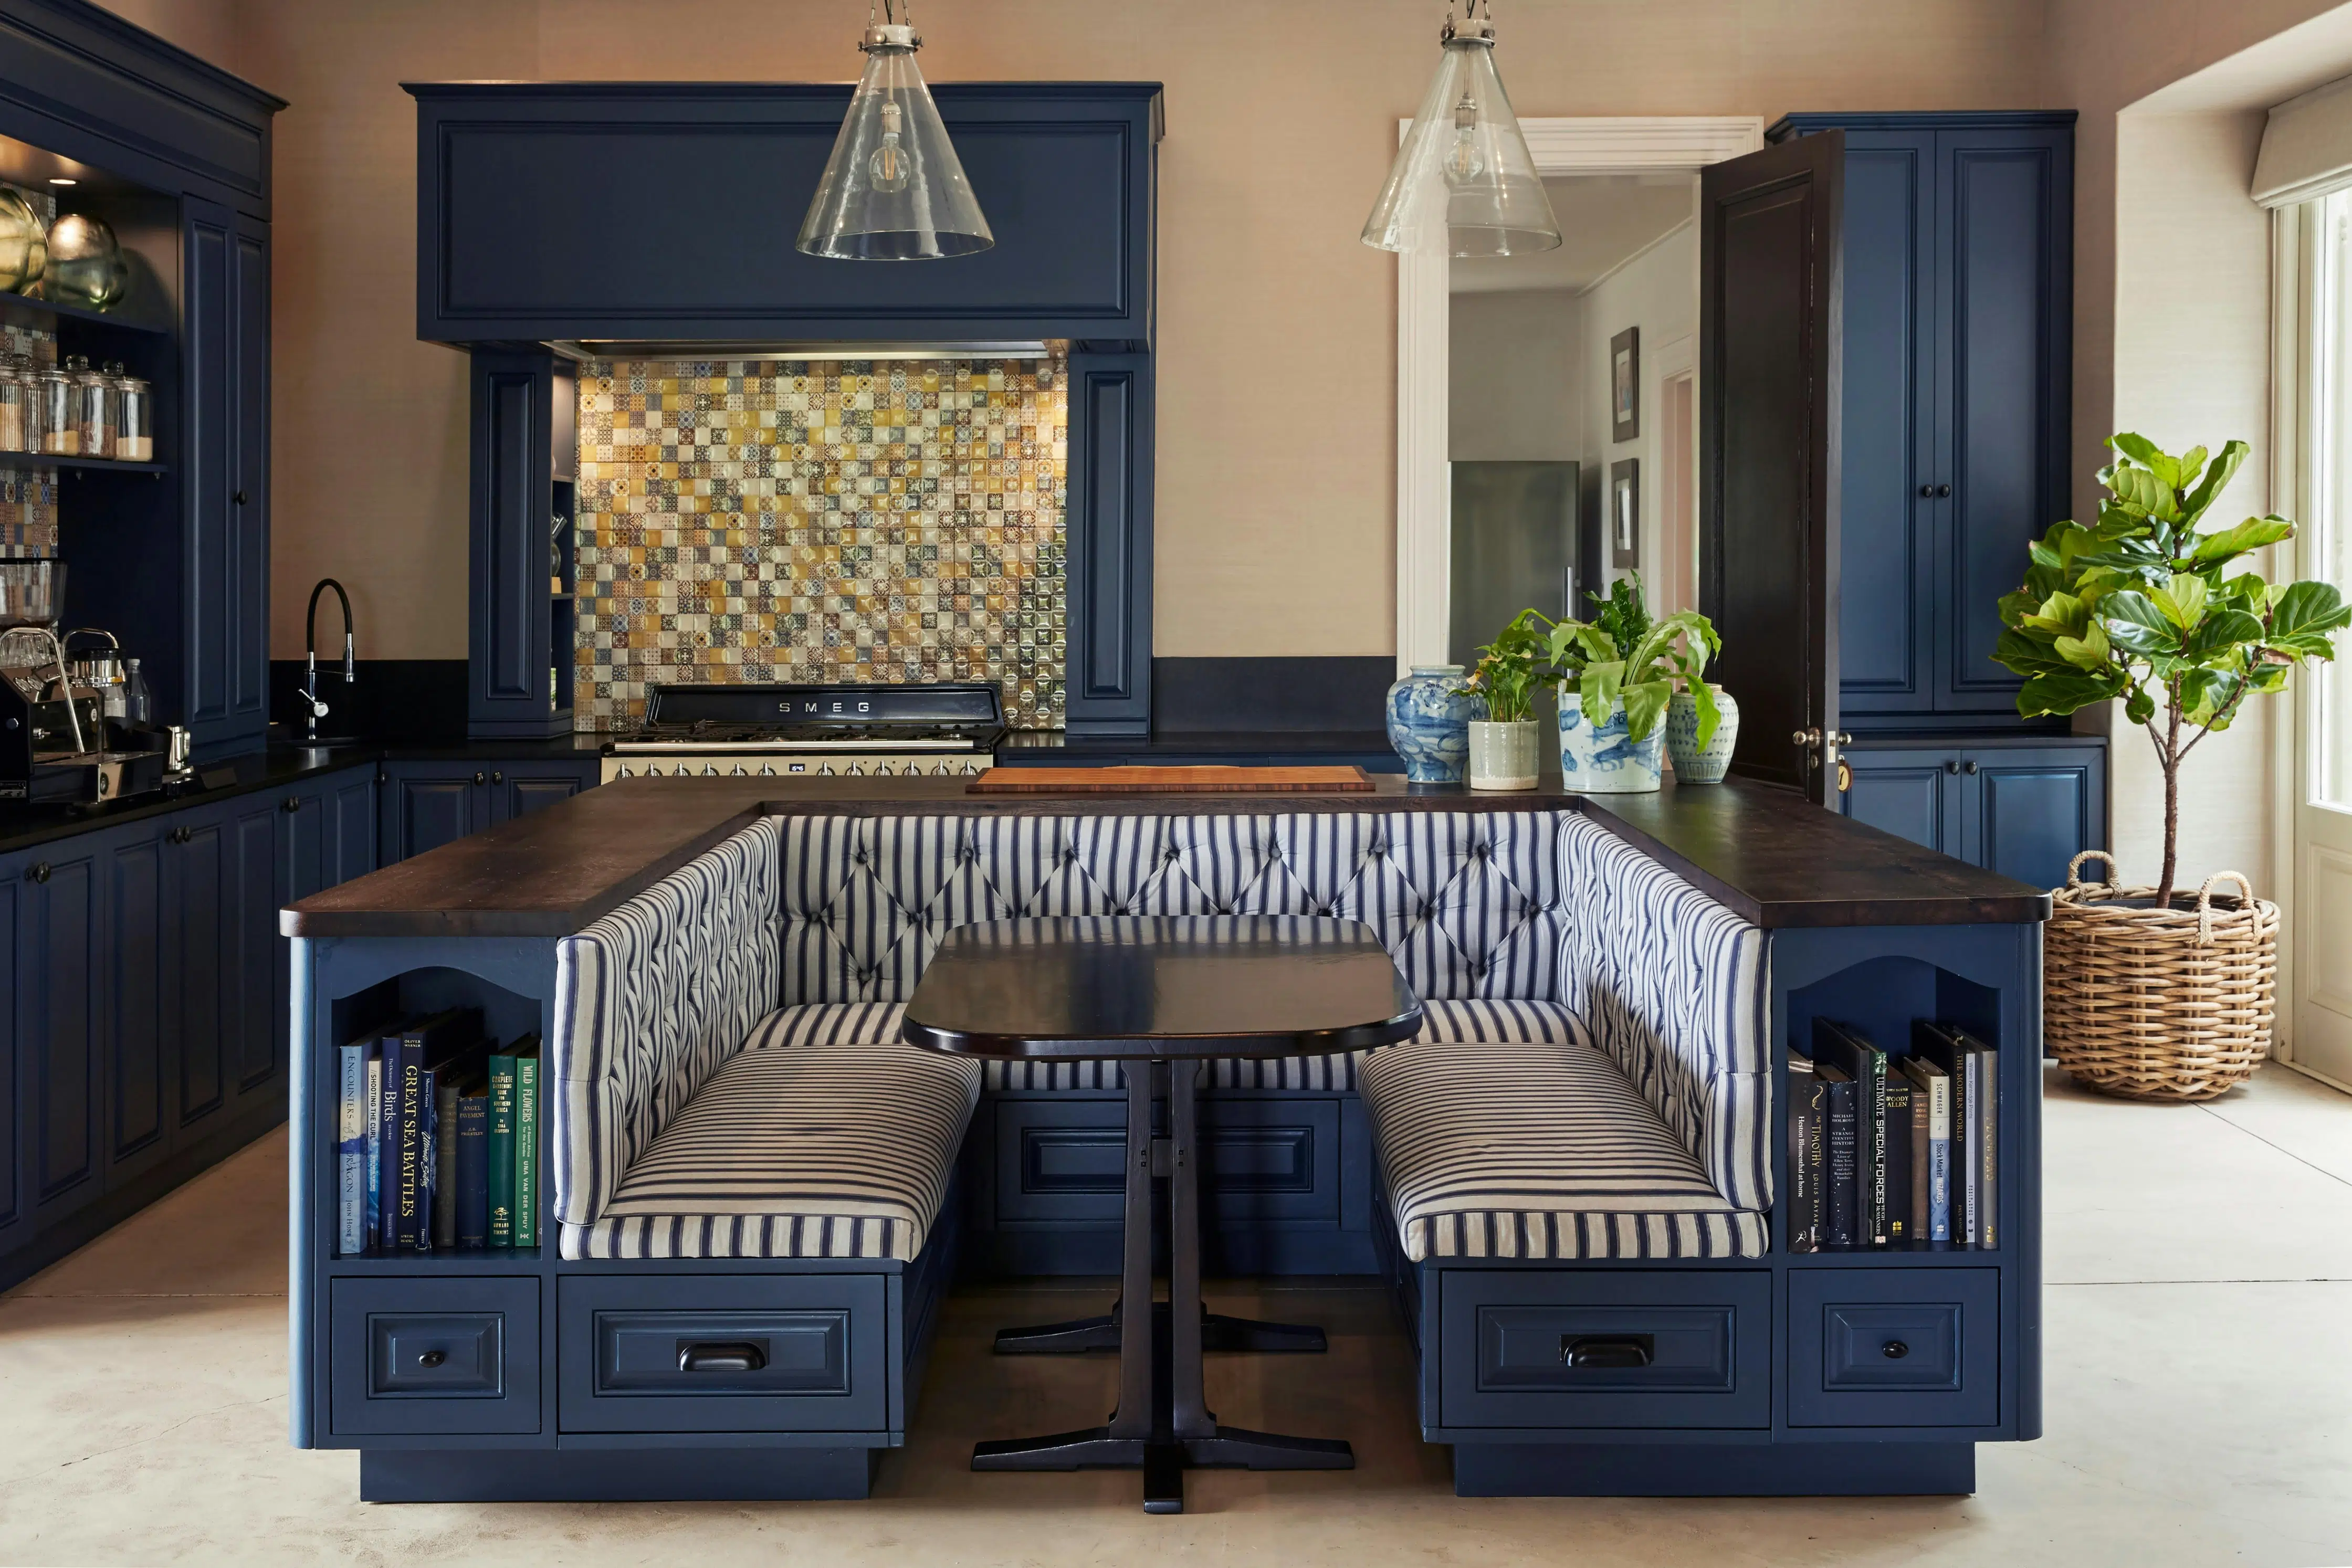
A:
(1957, 323)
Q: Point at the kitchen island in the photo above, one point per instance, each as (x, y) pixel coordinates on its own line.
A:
(1743, 1372)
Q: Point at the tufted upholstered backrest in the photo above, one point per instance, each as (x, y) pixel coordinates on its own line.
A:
(650, 1001)
(1467, 903)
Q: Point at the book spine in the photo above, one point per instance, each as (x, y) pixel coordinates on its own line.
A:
(1939, 1158)
(350, 1149)
(526, 1220)
(372, 1206)
(473, 1171)
(1988, 1144)
(1817, 1167)
(1802, 1098)
(1841, 1187)
(408, 1172)
(445, 1159)
(1922, 1149)
(428, 1162)
(1971, 1126)
(1873, 1091)
(501, 1162)
(1898, 1161)
(387, 1142)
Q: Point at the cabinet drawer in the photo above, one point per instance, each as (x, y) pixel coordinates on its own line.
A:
(1604, 1348)
(1271, 1160)
(449, 1355)
(1890, 1347)
(741, 1353)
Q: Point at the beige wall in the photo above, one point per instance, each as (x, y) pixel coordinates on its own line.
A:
(1518, 377)
(1276, 391)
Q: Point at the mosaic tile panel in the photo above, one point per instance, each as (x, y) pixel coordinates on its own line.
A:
(805, 520)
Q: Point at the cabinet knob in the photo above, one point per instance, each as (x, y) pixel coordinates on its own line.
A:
(293, 803)
(1943, 491)
(498, 778)
(239, 497)
(1951, 765)
(1927, 492)
(478, 778)
(40, 871)
(1969, 766)
(1895, 1349)
(433, 1358)
(179, 835)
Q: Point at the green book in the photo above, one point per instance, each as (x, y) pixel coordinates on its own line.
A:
(526, 1220)
(501, 1162)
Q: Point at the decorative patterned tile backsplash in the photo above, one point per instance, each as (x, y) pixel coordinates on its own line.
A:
(812, 520)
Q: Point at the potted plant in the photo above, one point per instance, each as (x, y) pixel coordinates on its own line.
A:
(2151, 992)
(1511, 669)
(1625, 668)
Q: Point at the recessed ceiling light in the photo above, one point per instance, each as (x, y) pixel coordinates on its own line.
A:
(63, 180)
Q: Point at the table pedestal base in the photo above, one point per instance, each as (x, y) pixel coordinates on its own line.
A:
(1163, 1425)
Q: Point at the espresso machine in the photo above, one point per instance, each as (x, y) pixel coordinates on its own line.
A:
(58, 742)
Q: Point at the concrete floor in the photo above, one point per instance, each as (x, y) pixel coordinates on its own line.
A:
(2198, 1376)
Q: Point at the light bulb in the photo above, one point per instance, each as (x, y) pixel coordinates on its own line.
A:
(1466, 160)
(891, 167)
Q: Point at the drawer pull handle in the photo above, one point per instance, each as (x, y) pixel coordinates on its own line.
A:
(1895, 1349)
(721, 1356)
(433, 1358)
(1613, 1351)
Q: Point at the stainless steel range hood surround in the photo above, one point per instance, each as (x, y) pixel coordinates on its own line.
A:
(616, 349)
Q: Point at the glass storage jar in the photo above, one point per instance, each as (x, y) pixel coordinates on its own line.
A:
(93, 409)
(16, 404)
(53, 413)
(134, 418)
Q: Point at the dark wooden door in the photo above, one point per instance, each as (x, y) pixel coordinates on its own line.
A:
(1769, 243)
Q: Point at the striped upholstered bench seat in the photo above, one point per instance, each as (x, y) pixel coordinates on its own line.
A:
(1538, 1151)
(847, 1023)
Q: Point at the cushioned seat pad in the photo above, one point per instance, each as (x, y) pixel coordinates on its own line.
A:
(823, 1150)
(844, 1022)
(1541, 1150)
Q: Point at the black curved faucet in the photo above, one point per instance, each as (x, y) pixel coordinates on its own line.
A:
(315, 710)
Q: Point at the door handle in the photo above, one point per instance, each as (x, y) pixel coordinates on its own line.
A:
(498, 778)
(1608, 1351)
(478, 778)
(41, 872)
(721, 1356)
(239, 497)
(1927, 492)
(1951, 765)
(293, 802)
(1969, 766)
(1942, 492)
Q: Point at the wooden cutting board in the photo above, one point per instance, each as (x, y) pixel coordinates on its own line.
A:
(1217, 781)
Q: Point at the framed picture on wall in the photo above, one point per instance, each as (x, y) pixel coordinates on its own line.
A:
(1625, 385)
(1625, 513)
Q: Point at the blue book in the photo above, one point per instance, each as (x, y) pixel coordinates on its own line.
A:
(1931, 1082)
(473, 1198)
(1841, 1190)
(407, 1155)
(352, 1146)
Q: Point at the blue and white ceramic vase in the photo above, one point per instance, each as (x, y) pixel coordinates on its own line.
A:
(1695, 764)
(1429, 723)
(1600, 760)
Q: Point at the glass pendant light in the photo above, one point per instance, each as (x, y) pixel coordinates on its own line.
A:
(1464, 182)
(893, 190)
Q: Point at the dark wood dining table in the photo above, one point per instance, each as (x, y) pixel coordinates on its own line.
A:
(1161, 995)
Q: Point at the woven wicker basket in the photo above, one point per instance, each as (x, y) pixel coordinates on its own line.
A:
(2159, 1004)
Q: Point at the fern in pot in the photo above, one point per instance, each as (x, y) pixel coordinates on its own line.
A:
(1506, 744)
(2152, 992)
(1625, 668)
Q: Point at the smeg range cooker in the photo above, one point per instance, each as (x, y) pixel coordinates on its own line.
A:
(948, 728)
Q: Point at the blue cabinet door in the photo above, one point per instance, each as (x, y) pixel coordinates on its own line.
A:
(247, 468)
(137, 1063)
(1913, 795)
(426, 805)
(2031, 810)
(255, 1004)
(2006, 203)
(196, 892)
(519, 789)
(60, 956)
(13, 995)
(1885, 650)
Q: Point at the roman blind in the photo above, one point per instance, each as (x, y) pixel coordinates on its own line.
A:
(2306, 146)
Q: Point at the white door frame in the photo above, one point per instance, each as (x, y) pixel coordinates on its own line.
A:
(1626, 145)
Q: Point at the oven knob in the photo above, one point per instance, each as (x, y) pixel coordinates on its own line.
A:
(767, 770)
(622, 771)
(710, 771)
(972, 767)
(739, 771)
(652, 769)
(938, 767)
(885, 769)
(858, 770)
(825, 768)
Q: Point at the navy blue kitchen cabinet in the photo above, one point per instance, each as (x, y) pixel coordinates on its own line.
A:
(623, 212)
(2023, 809)
(426, 804)
(1957, 320)
(60, 965)
(521, 605)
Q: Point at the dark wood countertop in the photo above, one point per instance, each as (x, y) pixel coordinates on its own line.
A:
(1773, 857)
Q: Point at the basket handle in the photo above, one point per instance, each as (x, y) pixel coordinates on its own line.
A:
(2205, 902)
(2075, 867)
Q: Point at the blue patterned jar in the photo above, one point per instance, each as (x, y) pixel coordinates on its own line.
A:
(1693, 763)
(1429, 723)
(1599, 760)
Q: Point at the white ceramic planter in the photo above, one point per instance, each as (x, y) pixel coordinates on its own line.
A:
(1598, 760)
(1503, 756)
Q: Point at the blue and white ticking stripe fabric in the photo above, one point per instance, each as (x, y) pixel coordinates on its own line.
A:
(807, 1151)
(1674, 989)
(1487, 1020)
(650, 1001)
(1541, 1151)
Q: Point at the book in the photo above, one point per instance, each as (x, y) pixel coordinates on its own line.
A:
(384, 1142)
(428, 1161)
(1899, 1231)
(526, 1220)
(1840, 1224)
(1804, 1217)
(406, 1157)
(445, 1159)
(1838, 1045)
(1935, 1085)
(352, 1146)
(500, 1165)
(1963, 1060)
(472, 1201)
